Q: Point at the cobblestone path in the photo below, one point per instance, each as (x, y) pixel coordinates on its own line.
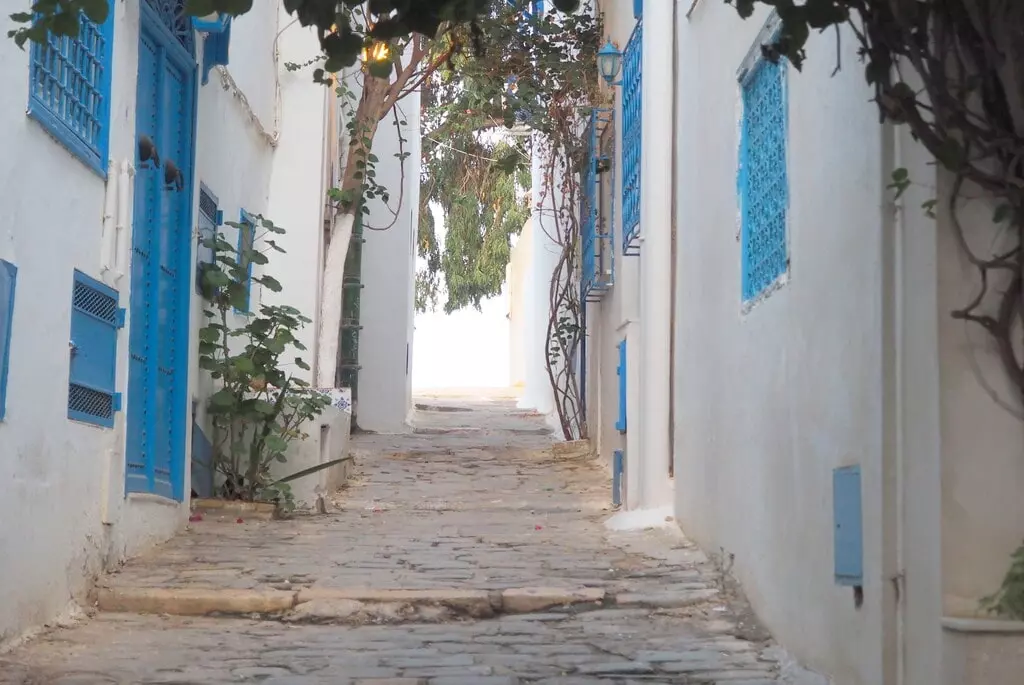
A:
(473, 499)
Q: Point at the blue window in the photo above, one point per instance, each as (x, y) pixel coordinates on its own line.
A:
(763, 182)
(69, 90)
(246, 241)
(95, 320)
(632, 128)
(8, 277)
(620, 424)
(209, 219)
(597, 208)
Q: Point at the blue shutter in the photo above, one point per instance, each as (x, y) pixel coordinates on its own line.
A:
(638, 8)
(209, 219)
(849, 541)
(215, 50)
(620, 424)
(246, 240)
(8, 277)
(95, 319)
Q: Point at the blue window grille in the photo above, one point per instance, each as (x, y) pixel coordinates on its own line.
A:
(620, 423)
(178, 21)
(847, 515)
(209, 219)
(597, 216)
(69, 90)
(762, 179)
(632, 128)
(95, 320)
(8, 278)
(246, 241)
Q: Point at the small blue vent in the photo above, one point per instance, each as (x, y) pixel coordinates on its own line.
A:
(95, 319)
(8, 277)
(620, 424)
(849, 541)
(632, 134)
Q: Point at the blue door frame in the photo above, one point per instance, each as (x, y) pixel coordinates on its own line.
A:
(157, 416)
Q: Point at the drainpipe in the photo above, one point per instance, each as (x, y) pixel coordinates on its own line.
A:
(108, 257)
(656, 255)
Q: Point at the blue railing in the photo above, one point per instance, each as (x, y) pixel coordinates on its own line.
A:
(632, 128)
(596, 229)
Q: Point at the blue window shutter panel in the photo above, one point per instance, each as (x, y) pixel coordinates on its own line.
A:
(8, 278)
(638, 8)
(215, 51)
(246, 240)
(69, 90)
(849, 539)
(762, 178)
(93, 351)
(632, 139)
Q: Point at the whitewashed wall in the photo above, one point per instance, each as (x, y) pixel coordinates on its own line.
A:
(388, 276)
(57, 476)
(770, 402)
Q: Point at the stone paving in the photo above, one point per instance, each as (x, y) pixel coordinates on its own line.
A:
(473, 499)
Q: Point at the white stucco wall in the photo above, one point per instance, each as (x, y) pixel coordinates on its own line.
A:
(388, 276)
(57, 476)
(769, 403)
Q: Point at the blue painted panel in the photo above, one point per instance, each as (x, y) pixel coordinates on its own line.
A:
(620, 424)
(632, 129)
(638, 8)
(92, 376)
(8, 280)
(69, 90)
(849, 541)
(161, 258)
(597, 255)
(209, 219)
(215, 50)
(762, 179)
(246, 239)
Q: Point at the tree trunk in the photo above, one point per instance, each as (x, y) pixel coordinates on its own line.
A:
(368, 115)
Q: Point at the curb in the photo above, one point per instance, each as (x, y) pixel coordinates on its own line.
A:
(208, 601)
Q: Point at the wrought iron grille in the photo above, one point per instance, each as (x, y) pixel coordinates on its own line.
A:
(596, 220)
(632, 96)
(177, 21)
(69, 94)
(763, 181)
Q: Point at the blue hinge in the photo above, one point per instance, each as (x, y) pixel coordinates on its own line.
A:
(115, 401)
(119, 317)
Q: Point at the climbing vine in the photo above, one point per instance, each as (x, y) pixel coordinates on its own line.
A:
(953, 72)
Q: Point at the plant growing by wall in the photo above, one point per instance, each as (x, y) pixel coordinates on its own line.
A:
(259, 407)
(953, 73)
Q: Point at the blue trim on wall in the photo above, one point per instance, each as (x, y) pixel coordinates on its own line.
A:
(93, 153)
(8, 276)
(620, 423)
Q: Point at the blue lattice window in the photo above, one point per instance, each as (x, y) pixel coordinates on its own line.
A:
(763, 180)
(95, 320)
(246, 241)
(8, 277)
(597, 213)
(69, 90)
(632, 128)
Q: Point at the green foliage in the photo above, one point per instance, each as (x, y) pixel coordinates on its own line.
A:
(1008, 601)
(258, 408)
(340, 24)
(474, 170)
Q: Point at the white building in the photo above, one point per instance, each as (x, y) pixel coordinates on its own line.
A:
(790, 360)
(109, 175)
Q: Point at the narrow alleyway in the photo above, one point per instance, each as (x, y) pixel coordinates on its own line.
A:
(511, 577)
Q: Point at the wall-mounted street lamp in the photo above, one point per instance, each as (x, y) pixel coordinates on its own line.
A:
(609, 63)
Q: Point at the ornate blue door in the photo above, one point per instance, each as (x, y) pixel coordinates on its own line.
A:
(161, 252)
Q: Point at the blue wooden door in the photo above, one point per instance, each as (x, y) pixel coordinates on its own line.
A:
(161, 256)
